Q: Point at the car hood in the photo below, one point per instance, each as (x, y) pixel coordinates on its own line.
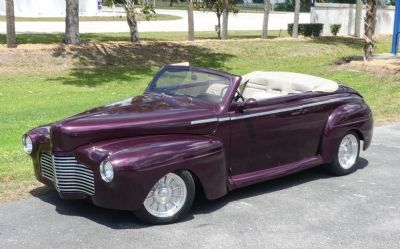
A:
(148, 114)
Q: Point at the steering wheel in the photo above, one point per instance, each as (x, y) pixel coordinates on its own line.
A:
(239, 96)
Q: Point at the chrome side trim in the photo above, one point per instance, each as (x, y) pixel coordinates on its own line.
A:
(202, 121)
(209, 120)
(224, 119)
(267, 113)
(327, 102)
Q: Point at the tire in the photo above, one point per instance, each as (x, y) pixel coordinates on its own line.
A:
(346, 156)
(161, 206)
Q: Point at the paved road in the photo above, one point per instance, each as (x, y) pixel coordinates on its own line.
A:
(305, 210)
(204, 21)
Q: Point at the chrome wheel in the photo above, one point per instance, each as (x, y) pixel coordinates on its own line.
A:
(167, 197)
(348, 151)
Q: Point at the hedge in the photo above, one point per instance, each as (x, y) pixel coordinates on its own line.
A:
(307, 29)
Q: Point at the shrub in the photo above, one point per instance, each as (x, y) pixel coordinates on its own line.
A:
(335, 29)
(288, 5)
(307, 29)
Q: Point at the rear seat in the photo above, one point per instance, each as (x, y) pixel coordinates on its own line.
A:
(264, 85)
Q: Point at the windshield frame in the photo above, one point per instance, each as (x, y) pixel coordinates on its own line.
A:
(223, 105)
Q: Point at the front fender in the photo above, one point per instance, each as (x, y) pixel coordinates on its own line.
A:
(351, 116)
(141, 161)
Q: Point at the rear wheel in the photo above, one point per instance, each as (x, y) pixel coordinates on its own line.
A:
(346, 156)
(169, 199)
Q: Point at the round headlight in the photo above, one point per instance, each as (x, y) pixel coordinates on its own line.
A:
(27, 143)
(106, 171)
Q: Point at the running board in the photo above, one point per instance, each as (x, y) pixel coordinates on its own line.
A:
(239, 181)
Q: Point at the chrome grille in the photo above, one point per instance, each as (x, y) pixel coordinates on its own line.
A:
(67, 174)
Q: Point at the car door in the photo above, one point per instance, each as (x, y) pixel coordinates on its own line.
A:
(273, 133)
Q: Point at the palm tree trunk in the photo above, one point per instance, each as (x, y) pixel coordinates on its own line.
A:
(295, 32)
(131, 19)
(10, 19)
(72, 22)
(190, 20)
(225, 14)
(369, 29)
(218, 28)
(267, 9)
(357, 26)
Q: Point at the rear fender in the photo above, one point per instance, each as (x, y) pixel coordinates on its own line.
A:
(347, 117)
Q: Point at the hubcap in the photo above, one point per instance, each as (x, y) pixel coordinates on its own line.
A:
(167, 196)
(348, 151)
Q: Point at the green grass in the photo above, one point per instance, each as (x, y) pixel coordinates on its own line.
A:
(145, 36)
(158, 17)
(45, 92)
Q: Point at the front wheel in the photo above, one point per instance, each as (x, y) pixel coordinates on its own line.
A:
(346, 157)
(169, 199)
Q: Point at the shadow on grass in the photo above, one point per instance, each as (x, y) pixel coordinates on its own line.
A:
(36, 38)
(126, 220)
(352, 42)
(99, 63)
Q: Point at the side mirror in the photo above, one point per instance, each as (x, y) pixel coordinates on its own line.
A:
(248, 103)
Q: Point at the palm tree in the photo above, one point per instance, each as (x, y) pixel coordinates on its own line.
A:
(357, 26)
(295, 32)
(72, 22)
(190, 20)
(267, 9)
(130, 9)
(219, 7)
(370, 20)
(10, 19)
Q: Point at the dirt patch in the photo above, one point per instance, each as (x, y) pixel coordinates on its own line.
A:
(14, 191)
(32, 58)
(381, 67)
(59, 57)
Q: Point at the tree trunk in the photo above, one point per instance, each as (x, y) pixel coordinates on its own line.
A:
(10, 19)
(131, 19)
(267, 9)
(190, 21)
(369, 29)
(295, 32)
(225, 14)
(357, 26)
(218, 27)
(72, 22)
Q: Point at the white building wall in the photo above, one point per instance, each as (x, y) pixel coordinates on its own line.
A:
(344, 14)
(48, 8)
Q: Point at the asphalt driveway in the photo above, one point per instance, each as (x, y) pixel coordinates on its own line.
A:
(305, 210)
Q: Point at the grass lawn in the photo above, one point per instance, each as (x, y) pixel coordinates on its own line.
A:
(40, 84)
(158, 17)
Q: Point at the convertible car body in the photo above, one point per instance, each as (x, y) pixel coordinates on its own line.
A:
(196, 128)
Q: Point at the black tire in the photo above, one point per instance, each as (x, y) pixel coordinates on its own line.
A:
(335, 168)
(148, 218)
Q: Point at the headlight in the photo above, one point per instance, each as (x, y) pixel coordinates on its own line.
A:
(106, 171)
(27, 143)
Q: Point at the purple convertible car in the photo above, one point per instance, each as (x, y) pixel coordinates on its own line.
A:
(199, 129)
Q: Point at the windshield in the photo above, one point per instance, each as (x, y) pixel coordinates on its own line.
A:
(191, 83)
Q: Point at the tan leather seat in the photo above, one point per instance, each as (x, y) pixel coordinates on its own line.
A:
(264, 85)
